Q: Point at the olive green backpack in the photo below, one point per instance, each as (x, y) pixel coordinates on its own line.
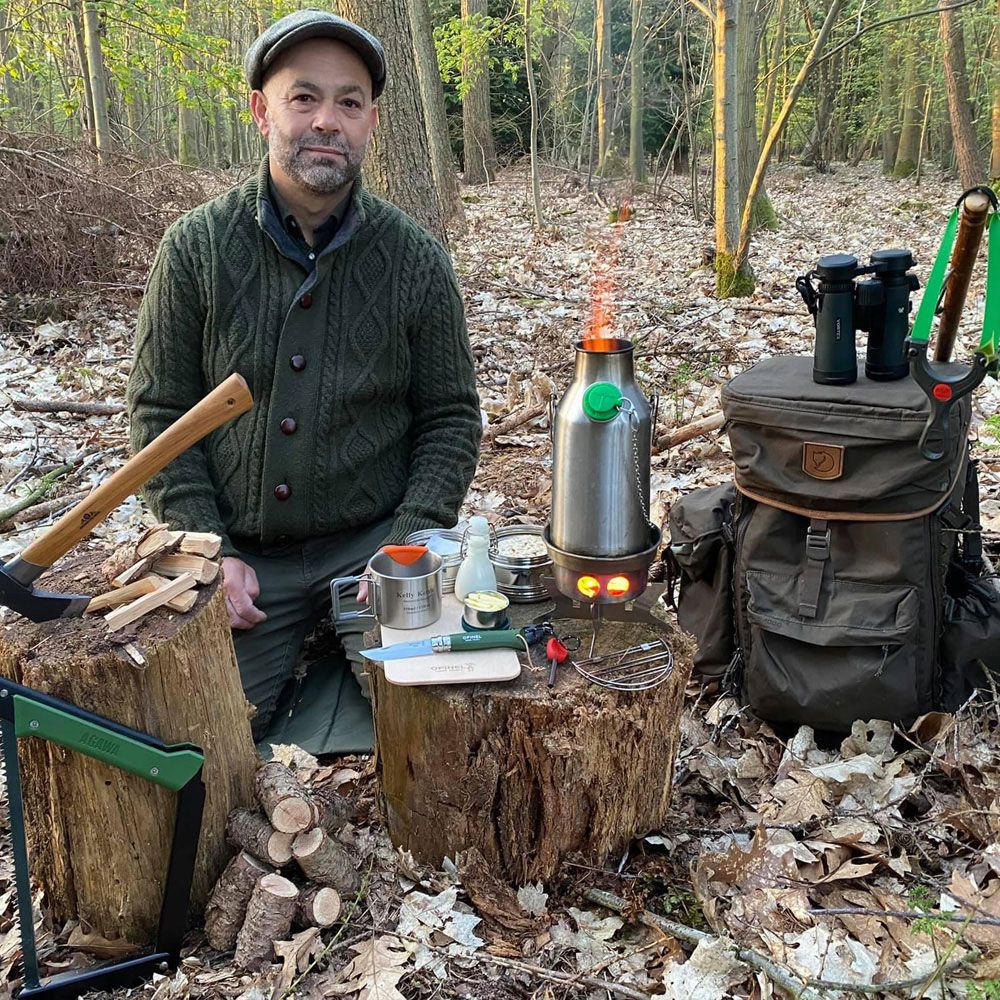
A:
(841, 577)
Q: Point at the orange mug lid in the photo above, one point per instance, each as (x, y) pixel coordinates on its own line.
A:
(405, 555)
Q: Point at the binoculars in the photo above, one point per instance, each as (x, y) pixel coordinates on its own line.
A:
(840, 306)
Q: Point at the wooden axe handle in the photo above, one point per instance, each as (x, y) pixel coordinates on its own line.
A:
(971, 222)
(224, 402)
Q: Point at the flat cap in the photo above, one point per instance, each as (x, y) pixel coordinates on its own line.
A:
(303, 25)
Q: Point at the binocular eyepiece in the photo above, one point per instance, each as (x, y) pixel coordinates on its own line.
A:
(880, 305)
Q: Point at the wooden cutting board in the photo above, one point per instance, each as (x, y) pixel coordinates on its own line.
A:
(480, 666)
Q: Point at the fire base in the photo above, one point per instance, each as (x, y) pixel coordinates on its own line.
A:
(638, 611)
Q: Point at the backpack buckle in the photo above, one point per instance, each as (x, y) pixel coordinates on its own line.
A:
(817, 554)
(817, 543)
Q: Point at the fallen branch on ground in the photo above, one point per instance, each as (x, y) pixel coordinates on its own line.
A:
(784, 978)
(42, 488)
(863, 911)
(513, 420)
(703, 425)
(42, 510)
(781, 977)
(68, 406)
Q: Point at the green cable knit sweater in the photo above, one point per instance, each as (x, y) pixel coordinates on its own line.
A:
(365, 405)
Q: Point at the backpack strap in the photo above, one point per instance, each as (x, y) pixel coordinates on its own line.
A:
(972, 534)
(817, 556)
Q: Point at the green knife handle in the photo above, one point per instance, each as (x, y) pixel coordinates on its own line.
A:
(170, 767)
(500, 639)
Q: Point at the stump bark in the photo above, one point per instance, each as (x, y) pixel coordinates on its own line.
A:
(526, 774)
(99, 838)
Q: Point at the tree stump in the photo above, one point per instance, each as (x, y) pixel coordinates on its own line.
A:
(99, 838)
(527, 774)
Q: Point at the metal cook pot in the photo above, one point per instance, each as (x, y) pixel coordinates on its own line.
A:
(404, 588)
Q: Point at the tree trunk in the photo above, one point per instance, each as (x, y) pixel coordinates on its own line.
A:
(526, 774)
(730, 279)
(398, 166)
(777, 51)
(479, 153)
(603, 24)
(10, 87)
(995, 125)
(887, 101)
(636, 153)
(771, 139)
(432, 93)
(909, 133)
(99, 838)
(817, 152)
(101, 129)
(971, 169)
(558, 84)
(749, 32)
(536, 196)
(187, 115)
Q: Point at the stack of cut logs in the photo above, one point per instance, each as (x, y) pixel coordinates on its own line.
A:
(252, 906)
(161, 569)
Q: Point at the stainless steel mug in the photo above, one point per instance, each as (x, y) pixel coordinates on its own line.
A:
(404, 588)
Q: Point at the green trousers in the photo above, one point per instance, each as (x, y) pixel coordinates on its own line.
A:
(324, 711)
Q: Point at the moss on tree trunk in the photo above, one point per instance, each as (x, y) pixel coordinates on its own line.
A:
(732, 282)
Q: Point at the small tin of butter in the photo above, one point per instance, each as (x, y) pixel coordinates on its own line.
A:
(485, 609)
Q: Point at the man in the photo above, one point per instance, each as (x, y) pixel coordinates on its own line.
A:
(345, 319)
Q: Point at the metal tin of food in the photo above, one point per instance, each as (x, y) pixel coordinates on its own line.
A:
(447, 543)
(521, 560)
(485, 609)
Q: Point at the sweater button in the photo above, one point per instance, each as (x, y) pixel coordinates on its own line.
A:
(282, 492)
(288, 425)
(306, 301)
(297, 362)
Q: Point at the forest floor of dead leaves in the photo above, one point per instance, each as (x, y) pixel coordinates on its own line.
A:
(772, 836)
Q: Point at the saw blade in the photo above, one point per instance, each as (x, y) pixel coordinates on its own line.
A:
(11, 773)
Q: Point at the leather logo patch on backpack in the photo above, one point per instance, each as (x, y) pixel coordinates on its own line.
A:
(823, 461)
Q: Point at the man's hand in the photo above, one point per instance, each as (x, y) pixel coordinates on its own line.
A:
(240, 584)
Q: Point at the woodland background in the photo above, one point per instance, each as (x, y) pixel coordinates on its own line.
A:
(640, 89)
(656, 168)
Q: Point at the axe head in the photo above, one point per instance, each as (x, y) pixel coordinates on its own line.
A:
(18, 594)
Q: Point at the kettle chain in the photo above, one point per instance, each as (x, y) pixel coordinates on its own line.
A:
(629, 410)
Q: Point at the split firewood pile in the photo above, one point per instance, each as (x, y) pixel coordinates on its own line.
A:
(290, 869)
(163, 568)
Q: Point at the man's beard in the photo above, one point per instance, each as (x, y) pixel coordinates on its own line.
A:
(316, 173)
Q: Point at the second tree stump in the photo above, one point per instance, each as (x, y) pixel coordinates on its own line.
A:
(526, 774)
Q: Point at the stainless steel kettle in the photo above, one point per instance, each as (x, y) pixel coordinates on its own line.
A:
(601, 430)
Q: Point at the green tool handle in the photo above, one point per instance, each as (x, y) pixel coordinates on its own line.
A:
(500, 639)
(35, 714)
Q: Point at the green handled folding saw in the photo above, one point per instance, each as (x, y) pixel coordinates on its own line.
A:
(25, 713)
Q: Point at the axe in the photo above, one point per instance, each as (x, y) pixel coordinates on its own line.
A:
(17, 577)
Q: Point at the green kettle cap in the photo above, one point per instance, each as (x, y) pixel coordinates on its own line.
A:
(602, 401)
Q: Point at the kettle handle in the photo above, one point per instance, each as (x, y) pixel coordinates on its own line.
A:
(654, 405)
